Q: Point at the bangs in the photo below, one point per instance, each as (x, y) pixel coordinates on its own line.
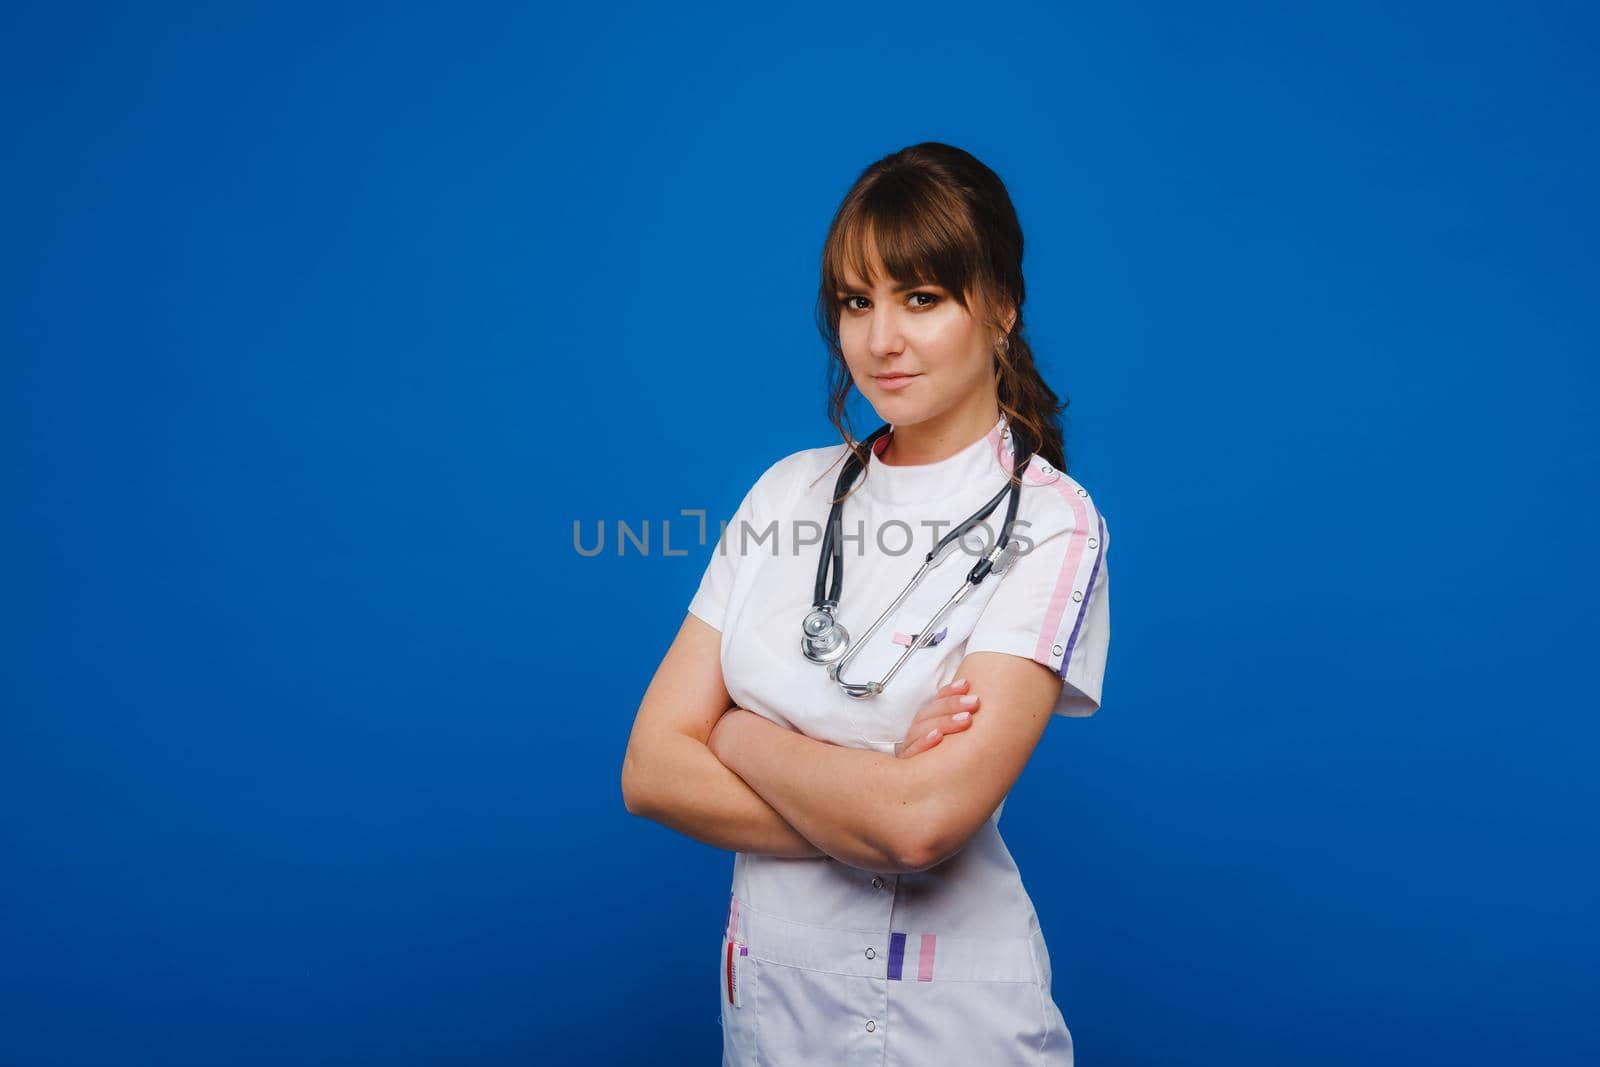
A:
(913, 233)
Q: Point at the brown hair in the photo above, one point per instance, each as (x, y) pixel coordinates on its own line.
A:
(937, 215)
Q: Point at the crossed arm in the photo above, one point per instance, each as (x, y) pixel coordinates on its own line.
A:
(735, 780)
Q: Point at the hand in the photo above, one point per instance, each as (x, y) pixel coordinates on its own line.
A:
(938, 717)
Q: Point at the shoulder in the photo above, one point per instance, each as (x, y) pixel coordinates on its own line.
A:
(1054, 503)
(793, 474)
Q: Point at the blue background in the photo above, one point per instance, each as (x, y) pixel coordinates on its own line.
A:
(322, 325)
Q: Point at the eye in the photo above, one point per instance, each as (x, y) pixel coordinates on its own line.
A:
(848, 302)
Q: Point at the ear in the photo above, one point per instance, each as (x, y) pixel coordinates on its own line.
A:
(1006, 313)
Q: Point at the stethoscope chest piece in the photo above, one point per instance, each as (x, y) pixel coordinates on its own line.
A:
(824, 639)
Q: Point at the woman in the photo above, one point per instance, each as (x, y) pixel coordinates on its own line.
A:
(876, 914)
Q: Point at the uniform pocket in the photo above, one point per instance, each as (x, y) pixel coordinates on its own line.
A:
(819, 1017)
(736, 989)
(974, 1022)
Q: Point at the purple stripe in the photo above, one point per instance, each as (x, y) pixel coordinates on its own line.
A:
(897, 955)
(1094, 572)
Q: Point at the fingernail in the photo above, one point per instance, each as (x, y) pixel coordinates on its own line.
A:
(968, 701)
(962, 716)
(959, 681)
(932, 734)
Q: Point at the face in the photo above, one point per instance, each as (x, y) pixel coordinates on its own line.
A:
(914, 352)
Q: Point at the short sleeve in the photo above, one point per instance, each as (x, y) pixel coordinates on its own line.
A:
(753, 527)
(710, 601)
(1053, 607)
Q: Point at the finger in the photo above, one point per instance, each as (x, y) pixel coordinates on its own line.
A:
(941, 711)
(947, 720)
(957, 722)
(948, 703)
(922, 743)
(951, 705)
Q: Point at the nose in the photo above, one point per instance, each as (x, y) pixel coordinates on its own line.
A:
(884, 336)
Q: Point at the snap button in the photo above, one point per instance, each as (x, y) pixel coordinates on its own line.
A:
(877, 883)
(1077, 595)
(1093, 543)
(871, 1025)
(871, 954)
(1056, 650)
(1083, 492)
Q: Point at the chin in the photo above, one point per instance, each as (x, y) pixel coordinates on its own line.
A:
(907, 409)
(899, 411)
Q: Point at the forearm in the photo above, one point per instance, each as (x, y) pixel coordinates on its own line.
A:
(855, 804)
(689, 789)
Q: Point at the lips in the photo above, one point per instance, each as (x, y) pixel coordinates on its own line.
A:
(895, 381)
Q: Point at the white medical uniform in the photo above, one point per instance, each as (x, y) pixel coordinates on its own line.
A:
(825, 963)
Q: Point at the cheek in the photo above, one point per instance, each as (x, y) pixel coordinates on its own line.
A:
(858, 357)
(948, 348)
(853, 341)
(855, 358)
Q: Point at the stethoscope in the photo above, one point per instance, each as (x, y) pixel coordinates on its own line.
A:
(824, 640)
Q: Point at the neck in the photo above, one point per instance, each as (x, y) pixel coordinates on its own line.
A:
(940, 436)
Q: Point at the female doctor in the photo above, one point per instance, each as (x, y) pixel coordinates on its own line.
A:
(847, 713)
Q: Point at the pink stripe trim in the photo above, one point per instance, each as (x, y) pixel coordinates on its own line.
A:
(1077, 541)
(925, 962)
(733, 917)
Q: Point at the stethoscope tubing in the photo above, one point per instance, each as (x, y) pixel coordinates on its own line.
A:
(831, 557)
